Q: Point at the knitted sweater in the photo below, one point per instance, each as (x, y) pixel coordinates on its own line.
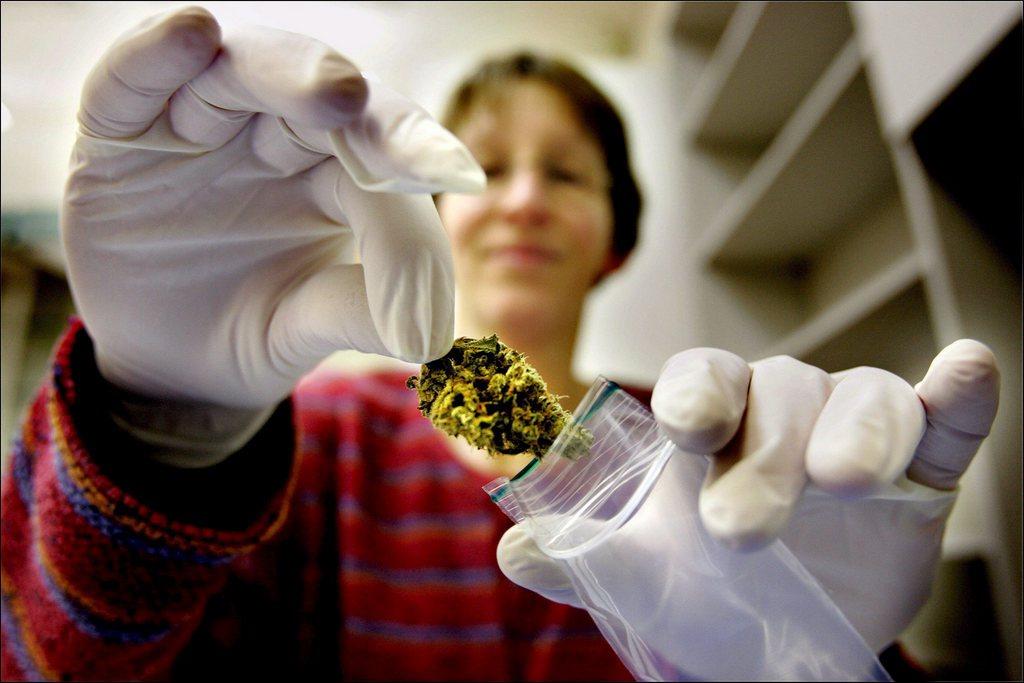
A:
(345, 540)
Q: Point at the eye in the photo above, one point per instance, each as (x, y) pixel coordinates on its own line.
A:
(563, 174)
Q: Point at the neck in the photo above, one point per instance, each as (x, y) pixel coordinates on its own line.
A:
(550, 352)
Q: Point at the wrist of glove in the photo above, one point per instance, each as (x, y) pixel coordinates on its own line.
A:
(854, 472)
(179, 433)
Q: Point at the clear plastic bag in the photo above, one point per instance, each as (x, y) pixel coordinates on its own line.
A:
(673, 603)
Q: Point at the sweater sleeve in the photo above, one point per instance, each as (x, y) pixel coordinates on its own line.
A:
(109, 558)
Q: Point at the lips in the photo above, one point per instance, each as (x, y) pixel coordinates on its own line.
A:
(523, 255)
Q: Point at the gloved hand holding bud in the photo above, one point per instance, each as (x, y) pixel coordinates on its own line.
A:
(232, 216)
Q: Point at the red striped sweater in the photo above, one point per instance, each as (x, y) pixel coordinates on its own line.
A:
(344, 541)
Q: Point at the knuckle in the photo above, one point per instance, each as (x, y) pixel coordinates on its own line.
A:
(782, 361)
(703, 360)
(777, 362)
(702, 353)
(883, 381)
(793, 367)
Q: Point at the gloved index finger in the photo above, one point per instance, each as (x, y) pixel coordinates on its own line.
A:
(385, 141)
(395, 145)
(285, 74)
(130, 85)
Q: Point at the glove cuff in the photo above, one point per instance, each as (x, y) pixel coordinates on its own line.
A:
(181, 434)
(178, 433)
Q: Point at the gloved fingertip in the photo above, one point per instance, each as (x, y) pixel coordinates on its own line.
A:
(700, 398)
(439, 347)
(965, 364)
(434, 156)
(850, 469)
(961, 387)
(518, 554)
(973, 351)
(419, 345)
(742, 524)
(523, 563)
(341, 94)
(466, 178)
(194, 30)
(695, 418)
(853, 482)
(744, 512)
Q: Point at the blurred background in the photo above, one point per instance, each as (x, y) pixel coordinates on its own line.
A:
(839, 182)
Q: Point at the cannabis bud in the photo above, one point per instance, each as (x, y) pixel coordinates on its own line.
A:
(488, 394)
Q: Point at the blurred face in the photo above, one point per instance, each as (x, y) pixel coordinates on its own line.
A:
(530, 246)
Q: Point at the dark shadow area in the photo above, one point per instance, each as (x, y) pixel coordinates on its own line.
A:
(965, 637)
(971, 146)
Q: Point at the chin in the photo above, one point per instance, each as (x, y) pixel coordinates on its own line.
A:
(522, 313)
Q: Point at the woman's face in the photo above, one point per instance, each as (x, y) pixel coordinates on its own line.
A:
(530, 246)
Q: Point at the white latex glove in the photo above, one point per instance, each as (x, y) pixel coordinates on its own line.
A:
(855, 472)
(232, 214)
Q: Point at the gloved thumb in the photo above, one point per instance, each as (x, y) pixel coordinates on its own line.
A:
(401, 302)
(523, 563)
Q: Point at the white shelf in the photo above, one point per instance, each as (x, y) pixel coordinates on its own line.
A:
(768, 309)
(820, 237)
(896, 336)
(702, 23)
(727, 51)
(768, 58)
(849, 310)
(831, 148)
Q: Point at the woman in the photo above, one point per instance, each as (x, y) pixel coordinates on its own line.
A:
(559, 213)
(167, 514)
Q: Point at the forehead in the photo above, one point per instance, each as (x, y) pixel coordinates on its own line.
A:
(524, 111)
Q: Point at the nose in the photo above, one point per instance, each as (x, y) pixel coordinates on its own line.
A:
(524, 200)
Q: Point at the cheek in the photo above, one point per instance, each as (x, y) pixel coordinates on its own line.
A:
(462, 216)
(590, 231)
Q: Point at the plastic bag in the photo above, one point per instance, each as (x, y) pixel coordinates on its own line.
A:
(673, 603)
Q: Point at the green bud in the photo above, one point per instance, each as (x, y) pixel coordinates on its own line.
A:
(488, 394)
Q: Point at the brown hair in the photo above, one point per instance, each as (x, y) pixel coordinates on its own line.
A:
(596, 112)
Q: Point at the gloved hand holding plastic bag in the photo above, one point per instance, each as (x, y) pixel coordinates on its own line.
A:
(681, 571)
(232, 214)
